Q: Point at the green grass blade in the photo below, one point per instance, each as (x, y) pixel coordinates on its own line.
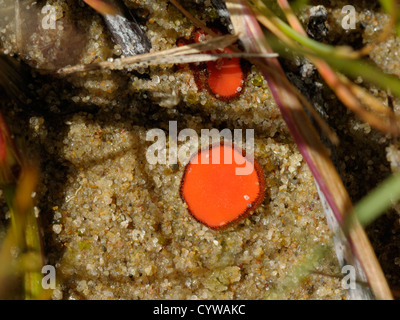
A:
(337, 57)
(378, 200)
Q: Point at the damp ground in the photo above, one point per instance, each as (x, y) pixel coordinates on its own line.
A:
(115, 226)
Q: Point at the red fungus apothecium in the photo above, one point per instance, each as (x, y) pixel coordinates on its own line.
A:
(223, 78)
(215, 194)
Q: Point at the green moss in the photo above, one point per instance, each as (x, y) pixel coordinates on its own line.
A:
(192, 97)
(213, 14)
(257, 80)
(83, 245)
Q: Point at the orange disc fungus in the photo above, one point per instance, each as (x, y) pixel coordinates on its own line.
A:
(221, 185)
(224, 78)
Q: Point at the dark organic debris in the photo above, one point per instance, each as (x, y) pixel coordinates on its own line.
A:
(223, 12)
(316, 27)
(125, 30)
(12, 78)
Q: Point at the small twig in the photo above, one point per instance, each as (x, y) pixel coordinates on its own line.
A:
(336, 276)
(74, 196)
(153, 58)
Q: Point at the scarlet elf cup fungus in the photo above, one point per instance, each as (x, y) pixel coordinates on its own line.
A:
(216, 189)
(224, 78)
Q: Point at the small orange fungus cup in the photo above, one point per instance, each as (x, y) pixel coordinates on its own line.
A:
(221, 185)
(223, 78)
